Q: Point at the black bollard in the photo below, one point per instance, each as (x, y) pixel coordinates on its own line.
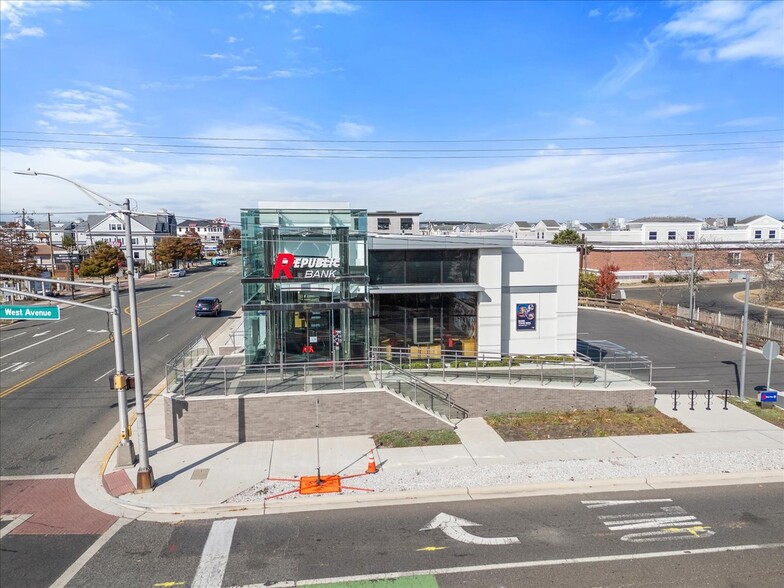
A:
(726, 395)
(708, 396)
(692, 396)
(675, 395)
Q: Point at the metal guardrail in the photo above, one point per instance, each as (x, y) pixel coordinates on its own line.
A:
(419, 391)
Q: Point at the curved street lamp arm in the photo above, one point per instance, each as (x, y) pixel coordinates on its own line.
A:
(91, 194)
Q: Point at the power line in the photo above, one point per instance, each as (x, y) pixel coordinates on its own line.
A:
(268, 140)
(48, 142)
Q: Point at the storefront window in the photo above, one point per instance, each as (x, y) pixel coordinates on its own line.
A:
(450, 266)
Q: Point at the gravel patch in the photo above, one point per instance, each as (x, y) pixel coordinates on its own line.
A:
(405, 479)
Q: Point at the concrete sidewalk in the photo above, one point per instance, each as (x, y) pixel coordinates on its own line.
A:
(197, 481)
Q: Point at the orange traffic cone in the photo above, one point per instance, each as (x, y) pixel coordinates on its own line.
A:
(371, 464)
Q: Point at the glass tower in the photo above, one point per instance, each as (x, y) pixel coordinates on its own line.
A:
(305, 283)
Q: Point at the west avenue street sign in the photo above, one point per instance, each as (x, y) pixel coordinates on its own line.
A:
(30, 313)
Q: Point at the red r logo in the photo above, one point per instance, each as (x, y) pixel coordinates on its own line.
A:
(283, 262)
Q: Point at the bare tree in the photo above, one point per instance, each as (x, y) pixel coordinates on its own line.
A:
(767, 263)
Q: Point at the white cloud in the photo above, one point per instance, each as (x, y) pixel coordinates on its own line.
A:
(296, 35)
(268, 7)
(292, 73)
(215, 56)
(628, 67)
(241, 68)
(100, 106)
(322, 7)
(621, 13)
(594, 13)
(670, 110)
(730, 31)
(582, 122)
(350, 130)
(16, 12)
(759, 121)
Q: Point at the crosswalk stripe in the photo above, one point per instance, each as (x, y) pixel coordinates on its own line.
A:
(215, 555)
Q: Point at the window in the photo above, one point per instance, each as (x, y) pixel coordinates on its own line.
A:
(758, 234)
(772, 234)
(116, 227)
(134, 241)
(383, 224)
(652, 235)
(770, 257)
(690, 235)
(671, 235)
(733, 258)
(406, 224)
(136, 255)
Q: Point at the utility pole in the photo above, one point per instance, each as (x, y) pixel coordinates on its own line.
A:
(51, 244)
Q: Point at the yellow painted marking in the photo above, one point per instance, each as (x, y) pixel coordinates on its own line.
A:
(692, 530)
(49, 370)
(167, 584)
(431, 549)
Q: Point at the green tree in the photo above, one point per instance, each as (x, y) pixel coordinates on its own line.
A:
(567, 237)
(587, 285)
(104, 262)
(17, 253)
(233, 240)
(606, 282)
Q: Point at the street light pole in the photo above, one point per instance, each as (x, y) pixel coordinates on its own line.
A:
(747, 277)
(144, 477)
(126, 456)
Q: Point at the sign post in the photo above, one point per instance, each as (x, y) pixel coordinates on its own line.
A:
(770, 351)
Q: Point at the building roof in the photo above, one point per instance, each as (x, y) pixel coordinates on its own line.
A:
(548, 222)
(749, 219)
(665, 219)
(523, 224)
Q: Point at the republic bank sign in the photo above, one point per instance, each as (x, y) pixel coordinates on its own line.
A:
(293, 266)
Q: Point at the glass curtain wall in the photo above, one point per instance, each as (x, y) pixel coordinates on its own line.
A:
(425, 323)
(305, 285)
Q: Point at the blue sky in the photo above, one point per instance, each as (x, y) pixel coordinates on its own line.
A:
(485, 111)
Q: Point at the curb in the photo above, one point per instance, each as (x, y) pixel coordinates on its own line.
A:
(174, 513)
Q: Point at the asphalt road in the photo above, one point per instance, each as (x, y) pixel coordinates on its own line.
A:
(713, 297)
(57, 406)
(682, 360)
(717, 536)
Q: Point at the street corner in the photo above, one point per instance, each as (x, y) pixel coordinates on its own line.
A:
(48, 506)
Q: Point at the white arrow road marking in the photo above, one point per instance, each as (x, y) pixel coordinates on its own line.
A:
(34, 344)
(16, 366)
(97, 331)
(186, 291)
(179, 295)
(41, 334)
(453, 527)
(215, 555)
(12, 336)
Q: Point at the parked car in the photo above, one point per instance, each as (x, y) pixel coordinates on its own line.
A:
(208, 306)
(177, 273)
(220, 261)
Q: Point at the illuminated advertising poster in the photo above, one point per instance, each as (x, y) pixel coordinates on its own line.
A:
(526, 317)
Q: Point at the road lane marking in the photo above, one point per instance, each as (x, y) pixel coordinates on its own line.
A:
(34, 344)
(518, 565)
(73, 358)
(12, 336)
(41, 334)
(103, 375)
(605, 503)
(16, 366)
(162, 338)
(453, 527)
(215, 555)
(74, 568)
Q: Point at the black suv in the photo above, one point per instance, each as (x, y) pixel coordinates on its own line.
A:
(209, 305)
